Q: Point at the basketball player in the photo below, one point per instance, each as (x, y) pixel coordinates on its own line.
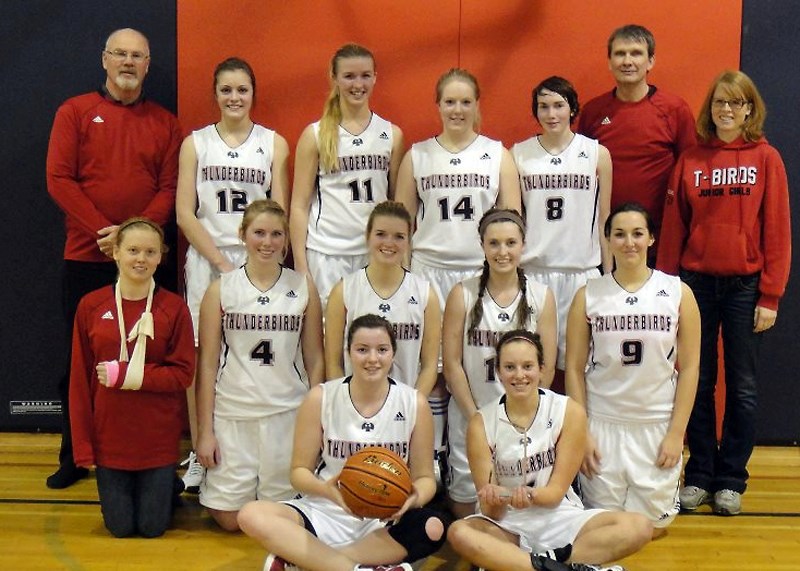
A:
(387, 289)
(223, 168)
(566, 190)
(260, 332)
(633, 353)
(347, 161)
(644, 127)
(478, 310)
(447, 182)
(132, 360)
(317, 532)
(524, 451)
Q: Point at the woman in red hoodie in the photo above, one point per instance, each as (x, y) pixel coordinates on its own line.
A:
(726, 230)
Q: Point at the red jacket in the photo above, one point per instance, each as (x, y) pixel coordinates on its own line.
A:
(107, 162)
(123, 429)
(727, 214)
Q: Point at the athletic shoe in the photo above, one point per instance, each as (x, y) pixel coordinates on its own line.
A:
(275, 563)
(541, 562)
(727, 502)
(65, 476)
(194, 474)
(692, 497)
(398, 567)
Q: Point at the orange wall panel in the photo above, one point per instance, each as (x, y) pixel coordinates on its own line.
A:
(509, 45)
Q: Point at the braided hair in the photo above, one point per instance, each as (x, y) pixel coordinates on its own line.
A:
(492, 216)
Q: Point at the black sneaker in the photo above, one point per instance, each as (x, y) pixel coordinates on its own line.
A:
(65, 476)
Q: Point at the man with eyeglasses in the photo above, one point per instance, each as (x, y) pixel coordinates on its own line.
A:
(644, 128)
(113, 154)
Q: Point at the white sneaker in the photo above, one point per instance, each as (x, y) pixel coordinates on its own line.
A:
(727, 502)
(692, 497)
(275, 563)
(194, 474)
(398, 567)
(587, 567)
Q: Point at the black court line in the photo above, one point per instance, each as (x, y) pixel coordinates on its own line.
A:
(51, 502)
(748, 514)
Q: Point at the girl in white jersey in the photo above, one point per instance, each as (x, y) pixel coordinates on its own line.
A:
(565, 179)
(633, 354)
(260, 350)
(449, 181)
(407, 300)
(525, 448)
(385, 288)
(223, 168)
(317, 532)
(478, 310)
(344, 164)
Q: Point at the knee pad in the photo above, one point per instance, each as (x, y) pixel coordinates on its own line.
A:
(410, 532)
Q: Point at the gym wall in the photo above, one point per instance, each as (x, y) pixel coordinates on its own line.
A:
(52, 52)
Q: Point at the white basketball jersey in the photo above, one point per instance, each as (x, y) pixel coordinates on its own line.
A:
(261, 371)
(405, 310)
(228, 179)
(631, 373)
(345, 198)
(478, 350)
(454, 190)
(345, 431)
(560, 195)
(525, 458)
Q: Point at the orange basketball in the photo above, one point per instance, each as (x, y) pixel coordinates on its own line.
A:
(375, 482)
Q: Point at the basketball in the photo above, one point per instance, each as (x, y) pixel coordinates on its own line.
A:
(375, 482)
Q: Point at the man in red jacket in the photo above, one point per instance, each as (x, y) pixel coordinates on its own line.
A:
(113, 154)
(644, 128)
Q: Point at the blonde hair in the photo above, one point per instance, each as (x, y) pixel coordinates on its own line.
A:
(735, 84)
(459, 74)
(265, 206)
(140, 222)
(332, 110)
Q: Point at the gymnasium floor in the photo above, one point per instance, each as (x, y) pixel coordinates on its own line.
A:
(42, 529)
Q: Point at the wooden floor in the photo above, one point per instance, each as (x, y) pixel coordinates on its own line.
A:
(42, 529)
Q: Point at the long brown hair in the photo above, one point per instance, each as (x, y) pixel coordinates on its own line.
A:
(492, 216)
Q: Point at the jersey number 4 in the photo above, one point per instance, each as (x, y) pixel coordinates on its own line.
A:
(462, 208)
(262, 352)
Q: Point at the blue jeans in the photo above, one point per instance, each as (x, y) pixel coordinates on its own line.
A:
(728, 302)
(136, 501)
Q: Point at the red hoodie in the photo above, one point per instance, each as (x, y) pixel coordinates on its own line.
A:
(727, 214)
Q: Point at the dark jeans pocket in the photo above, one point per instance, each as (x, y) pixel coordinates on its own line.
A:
(747, 283)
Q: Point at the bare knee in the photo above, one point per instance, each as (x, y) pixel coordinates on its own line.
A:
(641, 530)
(248, 517)
(458, 535)
(434, 528)
(225, 519)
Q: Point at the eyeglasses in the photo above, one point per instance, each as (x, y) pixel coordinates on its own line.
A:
(122, 55)
(734, 104)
